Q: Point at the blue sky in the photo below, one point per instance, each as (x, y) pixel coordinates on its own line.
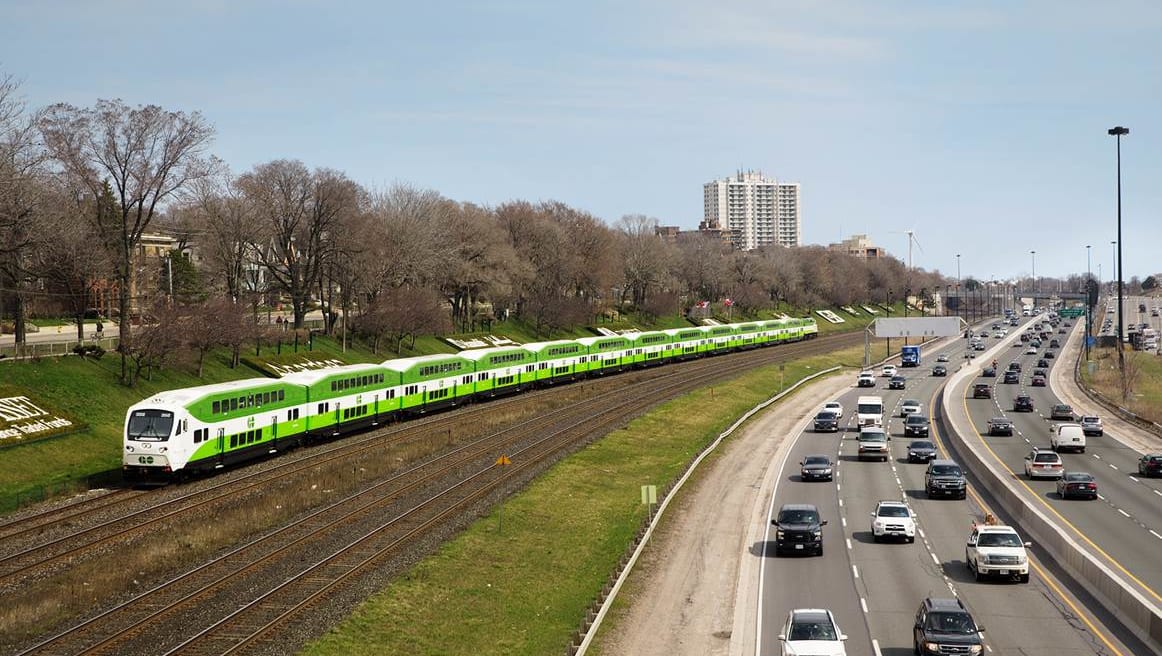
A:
(980, 125)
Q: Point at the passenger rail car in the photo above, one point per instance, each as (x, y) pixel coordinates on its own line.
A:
(213, 426)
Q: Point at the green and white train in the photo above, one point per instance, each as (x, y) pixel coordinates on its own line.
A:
(204, 428)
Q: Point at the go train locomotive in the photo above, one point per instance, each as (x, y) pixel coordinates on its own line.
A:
(204, 428)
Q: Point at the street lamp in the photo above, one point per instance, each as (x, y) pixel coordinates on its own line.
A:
(1088, 321)
(888, 305)
(1117, 133)
(1034, 281)
(907, 293)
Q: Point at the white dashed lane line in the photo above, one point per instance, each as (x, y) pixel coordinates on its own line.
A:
(848, 540)
(1112, 466)
(863, 605)
(855, 571)
(1152, 532)
(1123, 512)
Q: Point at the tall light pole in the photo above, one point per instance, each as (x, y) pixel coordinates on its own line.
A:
(1088, 322)
(959, 301)
(1034, 281)
(1117, 132)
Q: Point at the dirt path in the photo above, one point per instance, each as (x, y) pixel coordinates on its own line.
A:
(696, 585)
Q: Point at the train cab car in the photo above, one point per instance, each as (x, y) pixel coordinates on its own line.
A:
(687, 343)
(210, 426)
(650, 348)
(558, 361)
(502, 370)
(346, 398)
(607, 354)
(431, 382)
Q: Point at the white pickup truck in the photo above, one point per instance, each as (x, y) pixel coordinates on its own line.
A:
(997, 550)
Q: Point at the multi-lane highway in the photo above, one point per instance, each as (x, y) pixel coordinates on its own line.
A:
(874, 589)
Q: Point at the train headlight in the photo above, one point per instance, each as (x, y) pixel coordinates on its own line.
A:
(129, 448)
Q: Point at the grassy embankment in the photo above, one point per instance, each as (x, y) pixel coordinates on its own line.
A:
(1145, 373)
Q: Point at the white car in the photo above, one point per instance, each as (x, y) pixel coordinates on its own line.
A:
(812, 631)
(995, 549)
(866, 379)
(893, 519)
(910, 407)
(888, 370)
(834, 406)
(1032, 350)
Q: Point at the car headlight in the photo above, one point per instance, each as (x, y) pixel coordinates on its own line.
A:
(827, 471)
(932, 646)
(818, 533)
(779, 535)
(974, 649)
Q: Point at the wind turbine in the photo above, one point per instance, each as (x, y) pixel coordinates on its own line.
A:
(911, 240)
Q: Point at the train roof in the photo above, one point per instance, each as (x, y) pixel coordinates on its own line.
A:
(589, 341)
(406, 364)
(537, 347)
(312, 376)
(191, 394)
(481, 353)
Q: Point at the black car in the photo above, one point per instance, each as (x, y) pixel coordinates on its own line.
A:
(1062, 411)
(1150, 465)
(826, 422)
(1023, 403)
(921, 451)
(944, 478)
(798, 529)
(944, 626)
(815, 468)
(897, 382)
(1000, 426)
(1011, 377)
(1053, 343)
(939, 370)
(1077, 484)
(982, 391)
(1049, 355)
(916, 426)
(1043, 363)
(989, 372)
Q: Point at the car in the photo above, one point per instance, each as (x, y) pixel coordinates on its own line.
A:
(939, 370)
(1036, 343)
(866, 379)
(1077, 484)
(1062, 411)
(815, 468)
(945, 478)
(982, 391)
(1032, 350)
(1025, 337)
(1150, 465)
(893, 519)
(897, 382)
(811, 631)
(888, 370)
(921, 451)
(1091, 425)
(834, 406)
(916, 426)
(1038, 381)
(1043, 462)
(1041, 372)
(1061, 331)
(978, 347)
(1053, 343)
(826, 422)
(798, 529)
(1043, 363)
(1023, 403)
(1011, 378)
(910, 407)
(1015, 366)
(943, 357)
(997, 549)
(1067, 324)
(873, 443)
(988, 372)
(1000, 426)
(1049, 355)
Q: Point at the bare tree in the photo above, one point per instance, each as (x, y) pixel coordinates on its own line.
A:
(401, 313)
(146, 155)
(471, 266)
(645, 257)
(300, 213)
(221, 219)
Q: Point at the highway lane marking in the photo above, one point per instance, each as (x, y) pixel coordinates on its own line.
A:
(838, 487)
(863, 605)
(1112, 466)
(1158, 492)
(1101, 497)
(876, 647)
(843, 520)
(848, 540)
(841, 503)
(1155, 534)
(1133, 478)
(920, 531)
(855, 571)
(1097, 456)
(1123, 512)
(934, 558)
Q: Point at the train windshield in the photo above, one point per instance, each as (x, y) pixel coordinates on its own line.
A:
(150, 425)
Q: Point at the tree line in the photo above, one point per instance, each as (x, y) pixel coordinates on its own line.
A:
(80, 186)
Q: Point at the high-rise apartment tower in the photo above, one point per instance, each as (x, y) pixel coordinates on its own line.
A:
(754, 209)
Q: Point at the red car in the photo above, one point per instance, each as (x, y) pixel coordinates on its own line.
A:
(1038, 381)
(1150, 465)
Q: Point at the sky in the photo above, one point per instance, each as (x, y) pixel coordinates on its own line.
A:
(981, 126)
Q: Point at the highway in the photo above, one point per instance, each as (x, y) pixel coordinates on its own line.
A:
(875, 589)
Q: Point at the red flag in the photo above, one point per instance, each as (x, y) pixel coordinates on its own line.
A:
(703, 304)
(728, 302)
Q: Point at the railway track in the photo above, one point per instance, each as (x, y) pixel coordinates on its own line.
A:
(319, 554)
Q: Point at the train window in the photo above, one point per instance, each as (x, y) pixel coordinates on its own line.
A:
(233, 441)
(216, 407)
(281, 394)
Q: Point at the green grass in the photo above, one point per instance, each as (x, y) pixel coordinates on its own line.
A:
(1145, 374)
(524, 590)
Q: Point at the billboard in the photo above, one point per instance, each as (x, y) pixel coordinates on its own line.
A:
(917, 327)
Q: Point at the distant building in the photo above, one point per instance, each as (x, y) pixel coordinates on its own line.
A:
(754, 210)
(858, 246)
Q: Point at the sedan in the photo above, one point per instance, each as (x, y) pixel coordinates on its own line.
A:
(826, 422)
(1023, 403)
(1077, 484)
(897, 382)
(833, 406)
(1049, 355)
(1150, 465)
(816, 468)
(1062, 411)
(1044, 373)
(910, 407)
(939, 370)
(888, 370)
(921, 451)
(1032, 350)
(1043, 363)
(943, 357)
(1038, 381)
(1000, 426)
(988, 372)
(1011, 378)
(982, 391)
(916, 426)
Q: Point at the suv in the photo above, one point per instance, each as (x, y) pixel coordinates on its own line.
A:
(812, 631)
(897, 382)
(1011, 377)
(888, 370)
(1091, 425)
(994, 549)
(944, 477)
(944, 626)
(1043, 463)
(916, 426)
(798, 528)
(939, 370)
(893, 519)
(866, 379)
(1000, 426)
(1023, 403)
(873, 443)
(909, 407)
(982, 391)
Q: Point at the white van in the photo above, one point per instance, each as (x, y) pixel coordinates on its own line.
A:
(869, 410)
(1067, 436)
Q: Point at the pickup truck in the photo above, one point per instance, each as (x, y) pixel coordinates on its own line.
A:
(997, 550)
